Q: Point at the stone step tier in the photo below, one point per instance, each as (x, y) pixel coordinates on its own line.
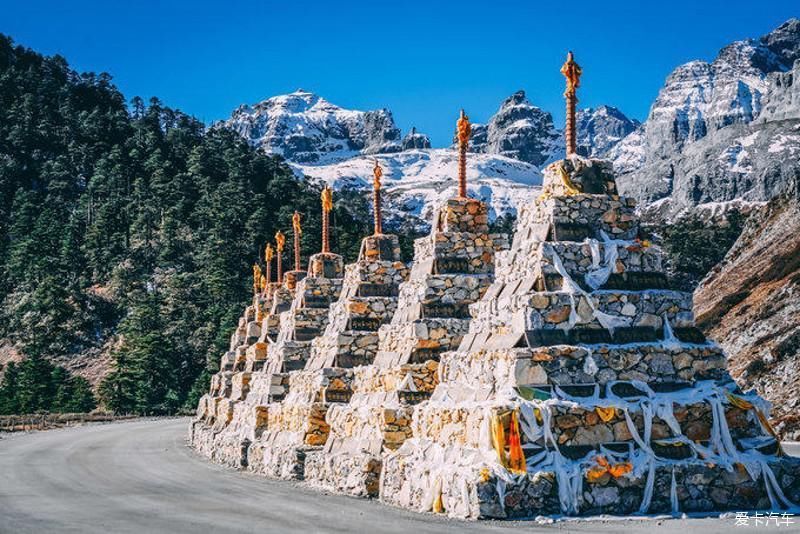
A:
(578, 261)
(579, 427)
(470, 489)
(419, 340)
(488, 371)
(306, 319)
(576, 218)
(536, 310)
(377, 417)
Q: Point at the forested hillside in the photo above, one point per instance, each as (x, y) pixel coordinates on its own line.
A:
(127, 231)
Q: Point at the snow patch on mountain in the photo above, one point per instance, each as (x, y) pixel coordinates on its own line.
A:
(601, 129)
(305, 128)
(629, 154)
(415, 181)
(325, 142)
(784, 143)
(701, 143)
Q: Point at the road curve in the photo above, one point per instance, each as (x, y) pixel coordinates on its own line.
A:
(141, 477)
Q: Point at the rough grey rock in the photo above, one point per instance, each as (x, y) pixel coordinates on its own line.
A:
(601, 128)
(415, 141)
(518, 130)
(305, 128)
(525, 132)
(719, 131)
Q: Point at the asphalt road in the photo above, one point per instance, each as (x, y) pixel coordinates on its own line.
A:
(141, 477)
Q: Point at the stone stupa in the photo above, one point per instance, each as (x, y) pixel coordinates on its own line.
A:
(453, 267)
(223, 416)
(296, 425)
(583, 386)
(566, 378)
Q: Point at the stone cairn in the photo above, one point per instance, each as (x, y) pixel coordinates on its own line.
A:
(571, 380)
(297, 427)
(583, 386)
(222, 414)
(277, 449)
(453, 267)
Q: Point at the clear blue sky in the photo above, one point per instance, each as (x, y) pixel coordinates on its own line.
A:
(422, 59)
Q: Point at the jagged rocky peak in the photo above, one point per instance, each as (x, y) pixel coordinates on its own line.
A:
(519, 130)
(699, 96)
(415, 140)
(525, 132)
(783, 98)
(601, 128)
(784, 41)
(305, 128)
(689, 149)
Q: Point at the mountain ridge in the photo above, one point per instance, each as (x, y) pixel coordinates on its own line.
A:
(318, 139)
(711, 133)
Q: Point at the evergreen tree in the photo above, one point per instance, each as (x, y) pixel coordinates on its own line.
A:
(9, 404)
(133, 227)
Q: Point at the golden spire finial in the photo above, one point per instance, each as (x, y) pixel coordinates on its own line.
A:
(280, 242)
(464, 128)
(296, 223)
(464, 131)
(256, 277)
(327, 198)
(377, 172)
(268, 255)
(327, 206)
(297, 233)
(572, 72)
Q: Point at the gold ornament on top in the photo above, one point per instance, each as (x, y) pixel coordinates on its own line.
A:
(280, 242)
(297, 233)
(377, 172)
(256, 277)
(464, 129)
(572, 72)
(327, 206)
(268, 255)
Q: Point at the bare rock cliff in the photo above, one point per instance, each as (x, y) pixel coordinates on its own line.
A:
(750, 304)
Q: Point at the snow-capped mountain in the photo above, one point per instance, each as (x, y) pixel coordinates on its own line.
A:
(707, 138)
(518, 130)
(525, 132)
(417, 180)
(305, 128)
(600, 129)
(323, 141)
(415, 140)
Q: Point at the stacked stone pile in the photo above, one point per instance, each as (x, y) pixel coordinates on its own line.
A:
(368, 299)
(240, 371)
(565, 378)
(583, 386)
(453, 266)
(285, 423)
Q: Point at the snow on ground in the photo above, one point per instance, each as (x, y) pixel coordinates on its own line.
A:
(712, 209)
(784, 142)
(416, 180)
